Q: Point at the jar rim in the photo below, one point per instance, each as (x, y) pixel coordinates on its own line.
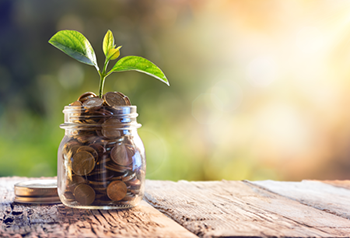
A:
(121, 112)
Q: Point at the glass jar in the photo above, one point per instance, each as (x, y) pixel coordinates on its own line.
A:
(101, 159)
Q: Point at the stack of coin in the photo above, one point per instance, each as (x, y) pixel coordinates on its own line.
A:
(101, 161)
(37, 192)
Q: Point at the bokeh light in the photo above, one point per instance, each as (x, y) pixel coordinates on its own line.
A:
(259, 89)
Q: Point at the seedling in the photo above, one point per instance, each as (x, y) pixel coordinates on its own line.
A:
(75, 44)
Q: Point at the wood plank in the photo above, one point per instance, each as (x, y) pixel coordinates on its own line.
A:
(20, 220)
(322, 196)
(240, 209)
(338, 183)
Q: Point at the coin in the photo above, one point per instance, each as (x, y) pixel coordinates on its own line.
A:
(116, 190)
(129, 176)
(99, 156)
(98, 171)
(116, 169)
(78, 179)
(104, 112)
(99, 183)
(110, 133)
(88, 138)
(83, 163)
(134, 191)
(101, 177)
(36, 188)
(114, 99)
(101, 197)
(68, 195)
(100, 188)
(93, 102)
(134, 183)
(126, 99)
(76, 103)
(119, 176)
(90, 121)
(37, 200)
(109, 128)
(73, 182)
(129, 197)
(86, 96)
(84, 194)
(103, 160)
(122, 154)
(99, 148)
(88, 149)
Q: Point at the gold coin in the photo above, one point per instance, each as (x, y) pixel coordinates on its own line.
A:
(88, 149)
(115, 99)
(84, 194)
(83, 163)
(94, 102)
(86, 96)
(116, 190)
(122, 154)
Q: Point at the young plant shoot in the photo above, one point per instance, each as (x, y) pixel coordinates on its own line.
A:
(76, 45)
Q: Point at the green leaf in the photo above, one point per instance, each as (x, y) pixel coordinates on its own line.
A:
(74, 44)
(108, 42)
(136, 63)
(113, 54)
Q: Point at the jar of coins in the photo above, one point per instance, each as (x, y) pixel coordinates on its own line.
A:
(101, 159)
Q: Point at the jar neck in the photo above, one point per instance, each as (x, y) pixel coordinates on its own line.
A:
(120, 118)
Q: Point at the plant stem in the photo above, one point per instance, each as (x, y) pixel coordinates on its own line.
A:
(103, 76)
(102, 83)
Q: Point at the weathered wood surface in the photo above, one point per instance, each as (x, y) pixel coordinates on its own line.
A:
(207, 209)
(322, 196)
(338, 183)
(244, 209)
(18, 220)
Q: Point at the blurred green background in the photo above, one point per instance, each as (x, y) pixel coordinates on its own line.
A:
(259, 89)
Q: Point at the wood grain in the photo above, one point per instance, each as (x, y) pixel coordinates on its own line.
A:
(240, 209)
(322, 196)
(338, 183)
(18, 220)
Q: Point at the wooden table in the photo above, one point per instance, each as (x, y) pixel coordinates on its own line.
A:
(191, 209)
